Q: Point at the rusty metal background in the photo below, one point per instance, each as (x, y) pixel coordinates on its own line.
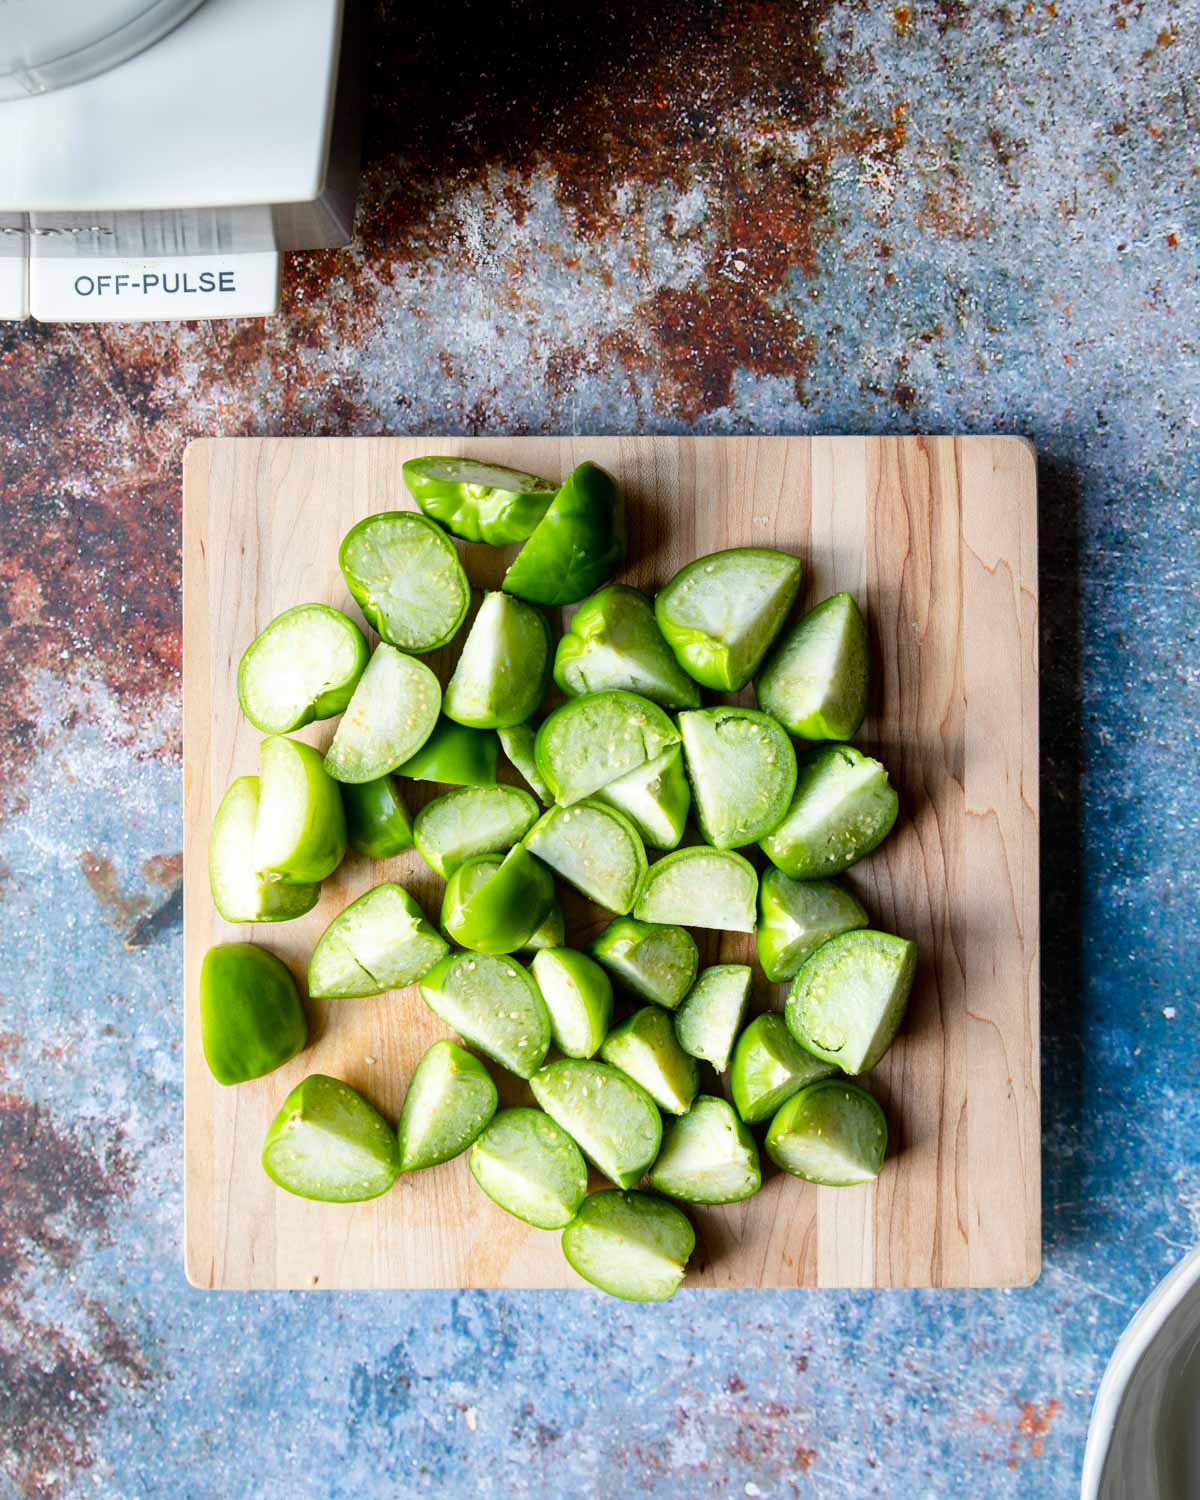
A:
(701, 216)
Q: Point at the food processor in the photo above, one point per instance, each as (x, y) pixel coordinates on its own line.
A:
(157, 156)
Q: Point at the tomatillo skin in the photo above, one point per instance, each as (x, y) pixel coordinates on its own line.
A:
(479, 502)
(300, 831)
(455, 755)
(551, 934)
(495, 906)
(579, 543)
(377, 821)
(251, 1018)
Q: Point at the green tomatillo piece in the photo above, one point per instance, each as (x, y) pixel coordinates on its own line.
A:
(656, 961)
(517, 742)
(551, 934)
(588, 742)
(817, 680)
(406, 578)
(251, 1018)
(578, 995)
(455, 756)
(613, 641)
(721, 612)
(303, 666)
(329, 1143)
(832, 1133)
(707, 1156)
(450, 1099)
(708, 1021)
(504, 668)
(645, 1049)
(769, 1066)
(844, 808)
(612, 1119)
(380, 942)
(239, 892)
(631, 1245)
(495, 906)
(846, 1003)
(479, 502)
(494, 1005)
(655, 797)
(300, 831)
(461, 885)
(377, 821)
(743, 772)
(700, 887)
(531, 1167)
(578, 543)
(392, 713)
(594, 848)
(470, 821)
(796, 916)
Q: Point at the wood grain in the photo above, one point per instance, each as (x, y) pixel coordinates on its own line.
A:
(937, 537)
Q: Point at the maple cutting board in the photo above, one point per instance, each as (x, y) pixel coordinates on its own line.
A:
(937, 538)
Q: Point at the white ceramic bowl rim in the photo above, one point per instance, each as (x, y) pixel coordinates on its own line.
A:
(1148, 1322)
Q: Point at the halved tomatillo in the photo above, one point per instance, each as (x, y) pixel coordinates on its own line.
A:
(303, 666)
(405, 576)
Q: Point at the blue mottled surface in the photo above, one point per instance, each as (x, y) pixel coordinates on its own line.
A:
(694, 216)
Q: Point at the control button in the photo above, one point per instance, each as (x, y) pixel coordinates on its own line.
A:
(114, 289)
(14, 288)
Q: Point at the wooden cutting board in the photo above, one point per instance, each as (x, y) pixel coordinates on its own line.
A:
(937, 538)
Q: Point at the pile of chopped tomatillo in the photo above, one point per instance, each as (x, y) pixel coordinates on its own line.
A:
(620, 768)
